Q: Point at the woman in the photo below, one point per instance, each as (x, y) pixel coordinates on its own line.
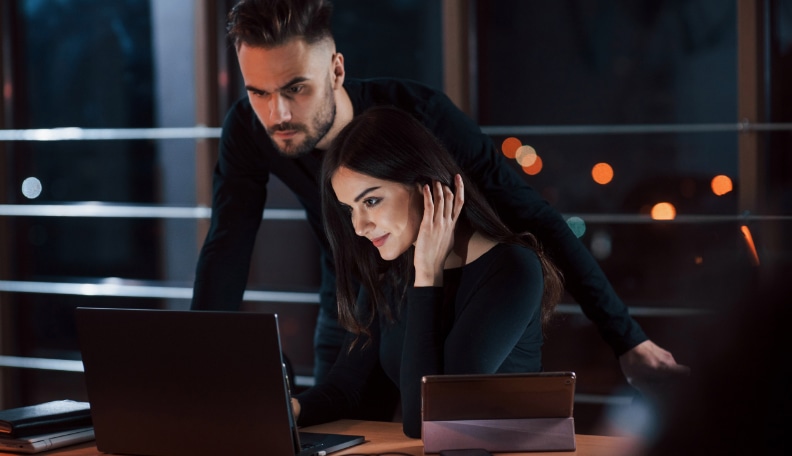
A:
(445, 287)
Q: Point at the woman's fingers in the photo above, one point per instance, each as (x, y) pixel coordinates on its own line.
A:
(441, 203)
(448, 201)
(428, 203)
(459, 197)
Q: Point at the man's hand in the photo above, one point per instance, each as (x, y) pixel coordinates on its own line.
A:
(651, 369)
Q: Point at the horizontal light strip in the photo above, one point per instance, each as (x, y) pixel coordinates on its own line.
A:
(574, 309)
(603, 399)
(172, 292)
(301, 380)
(110, 210)
(67, 365)
(87, 134)
(631, 129)
(41, 363)
(641, 218)
(145, 291)
(131, 211)
(201, 132)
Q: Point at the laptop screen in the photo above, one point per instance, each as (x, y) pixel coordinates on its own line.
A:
(164, 382)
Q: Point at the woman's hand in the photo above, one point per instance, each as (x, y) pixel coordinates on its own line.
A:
(436, 234)
(295, 408)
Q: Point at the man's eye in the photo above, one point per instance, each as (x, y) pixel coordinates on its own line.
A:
(295, 89)
(257, 93)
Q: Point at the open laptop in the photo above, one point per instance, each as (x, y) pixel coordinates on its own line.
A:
(164, 382)
(45, 442)
(499, 412)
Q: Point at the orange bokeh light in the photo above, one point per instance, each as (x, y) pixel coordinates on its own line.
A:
(663, 211)
(721, 185)
(510, 146)
(751, 246)
(602, 173)
(535, 168)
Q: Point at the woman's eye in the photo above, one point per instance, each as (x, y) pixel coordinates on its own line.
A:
(371, 201)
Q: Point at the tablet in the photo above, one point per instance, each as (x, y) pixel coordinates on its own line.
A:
(45, 442)
(499, 412)
(498, 396)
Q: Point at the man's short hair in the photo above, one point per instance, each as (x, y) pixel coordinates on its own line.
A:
(271, 23)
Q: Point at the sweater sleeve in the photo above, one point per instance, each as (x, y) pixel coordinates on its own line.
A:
(523, 209)
(239, 193)
(340, 394)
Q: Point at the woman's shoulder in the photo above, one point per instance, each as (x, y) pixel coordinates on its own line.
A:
(513, 256)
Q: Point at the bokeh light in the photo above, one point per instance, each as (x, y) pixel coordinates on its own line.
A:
(577, 225)
(510, 146)
(31, 188)
(721, 185)
(535, 168)
(602, 173)
(601, 245)
(751, 246)
(663, 211)
(525, 156)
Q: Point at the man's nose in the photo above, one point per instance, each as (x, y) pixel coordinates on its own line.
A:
(279, 109)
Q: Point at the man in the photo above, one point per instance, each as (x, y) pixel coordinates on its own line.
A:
(298, 100)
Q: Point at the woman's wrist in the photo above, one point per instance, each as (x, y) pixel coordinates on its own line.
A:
(428, 279)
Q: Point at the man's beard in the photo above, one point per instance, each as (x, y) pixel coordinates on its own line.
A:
(322, 123)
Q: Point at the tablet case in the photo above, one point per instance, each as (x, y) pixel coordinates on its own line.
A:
(44, 418)
(499, 412)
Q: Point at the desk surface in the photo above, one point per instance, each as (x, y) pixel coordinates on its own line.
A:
(382, 437)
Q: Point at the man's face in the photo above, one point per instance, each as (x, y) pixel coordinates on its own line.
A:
(292, 90)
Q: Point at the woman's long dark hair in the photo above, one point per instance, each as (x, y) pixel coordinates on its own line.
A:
(389, 144)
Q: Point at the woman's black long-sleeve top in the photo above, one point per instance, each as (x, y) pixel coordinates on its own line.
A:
(486, 318)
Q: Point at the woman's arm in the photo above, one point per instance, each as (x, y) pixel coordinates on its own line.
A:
(340, 395)
(495, 325)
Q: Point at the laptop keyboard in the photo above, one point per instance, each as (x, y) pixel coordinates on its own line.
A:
(308, 441)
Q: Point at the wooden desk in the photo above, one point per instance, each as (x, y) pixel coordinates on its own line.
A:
(384, 437)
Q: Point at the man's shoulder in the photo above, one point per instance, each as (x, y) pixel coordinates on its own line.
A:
(243, 134)
(241, 108)
(409, 95)
(383, 84)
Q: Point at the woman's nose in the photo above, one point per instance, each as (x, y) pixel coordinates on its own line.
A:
(361, 224)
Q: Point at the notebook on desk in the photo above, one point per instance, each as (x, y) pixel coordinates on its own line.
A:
(164, 382)
(45, 442)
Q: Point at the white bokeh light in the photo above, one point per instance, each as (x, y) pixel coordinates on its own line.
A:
(31, 188)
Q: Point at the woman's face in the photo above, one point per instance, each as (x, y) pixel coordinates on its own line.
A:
(385, 212)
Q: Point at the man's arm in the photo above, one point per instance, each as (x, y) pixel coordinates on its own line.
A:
(523, 209)
(239, 192)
